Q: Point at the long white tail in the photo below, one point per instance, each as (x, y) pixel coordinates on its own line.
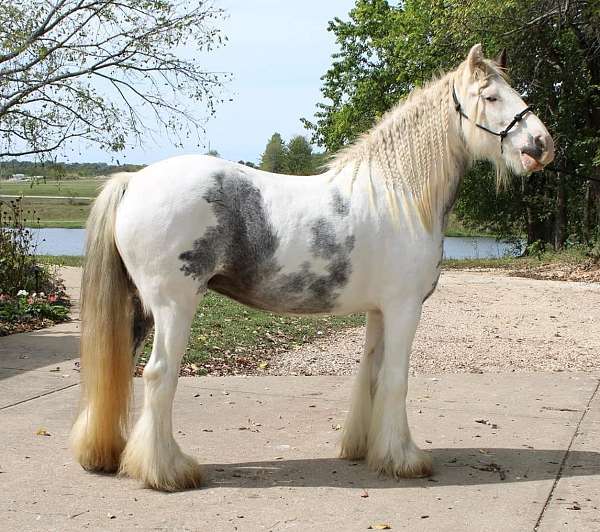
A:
(98, 436)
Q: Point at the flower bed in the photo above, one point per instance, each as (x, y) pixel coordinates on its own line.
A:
(25, 311)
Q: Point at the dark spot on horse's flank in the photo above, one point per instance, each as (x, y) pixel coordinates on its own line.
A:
(341, 205)
(243, 243)
(236, 257)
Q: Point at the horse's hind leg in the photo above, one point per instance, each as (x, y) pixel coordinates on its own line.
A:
(391, 449)
(152, 455)
(356, 427)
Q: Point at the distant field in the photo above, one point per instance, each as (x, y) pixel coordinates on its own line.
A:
(67, 187)
(39, 212)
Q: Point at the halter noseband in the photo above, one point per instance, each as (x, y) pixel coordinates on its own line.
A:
(502, 134)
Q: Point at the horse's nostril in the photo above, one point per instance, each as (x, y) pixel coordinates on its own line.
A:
(539, 143)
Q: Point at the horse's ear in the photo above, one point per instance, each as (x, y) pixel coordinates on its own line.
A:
(502, 59)
(475, 58)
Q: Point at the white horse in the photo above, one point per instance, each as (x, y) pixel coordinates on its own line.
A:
(366, 236)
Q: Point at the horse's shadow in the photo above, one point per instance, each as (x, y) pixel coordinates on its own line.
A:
(452, 467)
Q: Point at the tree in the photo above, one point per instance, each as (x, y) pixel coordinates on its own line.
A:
(274, 159)
(300, 159)
(213, 153)
(554, 45)
(102, 70)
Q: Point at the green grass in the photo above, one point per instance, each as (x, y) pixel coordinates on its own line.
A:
(226, 333)
(70, 213)
(64, 187)
(572, 255)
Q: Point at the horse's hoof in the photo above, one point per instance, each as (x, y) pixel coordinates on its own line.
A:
(179, 472)
(414, 463)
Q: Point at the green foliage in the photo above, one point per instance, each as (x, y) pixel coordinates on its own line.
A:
(300, 156)
(295, 158)
(536, 249)
(274, 159)
(386, 49)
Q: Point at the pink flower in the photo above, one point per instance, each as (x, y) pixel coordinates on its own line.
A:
(29, 300)
(52, 298)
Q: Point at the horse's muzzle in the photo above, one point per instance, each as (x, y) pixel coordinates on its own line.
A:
(538, 153)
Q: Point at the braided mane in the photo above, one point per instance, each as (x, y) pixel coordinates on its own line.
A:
(419, 151)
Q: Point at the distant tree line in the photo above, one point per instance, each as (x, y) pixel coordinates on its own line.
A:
(60, 170)
(295, 157)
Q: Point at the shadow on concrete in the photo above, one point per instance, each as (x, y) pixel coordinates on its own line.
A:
(452, 467)
(30, 351)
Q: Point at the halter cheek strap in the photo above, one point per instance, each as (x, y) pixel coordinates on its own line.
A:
(502, 134)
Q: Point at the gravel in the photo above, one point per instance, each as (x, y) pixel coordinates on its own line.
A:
(480, 322)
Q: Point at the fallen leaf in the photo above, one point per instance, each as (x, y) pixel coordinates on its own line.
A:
(380, 526)
(365, 494)
(43, 432)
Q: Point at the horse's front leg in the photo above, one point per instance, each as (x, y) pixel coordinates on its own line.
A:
(356, 427)
(391, 449)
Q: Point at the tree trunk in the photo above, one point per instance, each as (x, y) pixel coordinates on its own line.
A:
(586, 218)
(560, 217)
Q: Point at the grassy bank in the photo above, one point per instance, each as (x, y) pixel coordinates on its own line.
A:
(72, 188)
(63, 205)
(575, 255)
(71, 213)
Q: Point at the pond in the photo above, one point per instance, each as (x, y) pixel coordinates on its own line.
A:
(70, 242)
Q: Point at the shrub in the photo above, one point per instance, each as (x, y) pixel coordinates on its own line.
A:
(30, 292)
(19, 267)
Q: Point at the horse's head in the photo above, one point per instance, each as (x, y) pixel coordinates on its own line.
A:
(496, 123)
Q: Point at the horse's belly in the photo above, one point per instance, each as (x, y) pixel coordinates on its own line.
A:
(299, 293)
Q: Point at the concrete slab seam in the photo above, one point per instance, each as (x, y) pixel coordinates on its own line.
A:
(38, 396)
(564, 459)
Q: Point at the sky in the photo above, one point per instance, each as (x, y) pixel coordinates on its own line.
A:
(276, 53)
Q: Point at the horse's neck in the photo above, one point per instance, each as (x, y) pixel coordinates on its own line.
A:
(390, 197)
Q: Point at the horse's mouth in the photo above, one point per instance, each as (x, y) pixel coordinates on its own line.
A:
(530, 163)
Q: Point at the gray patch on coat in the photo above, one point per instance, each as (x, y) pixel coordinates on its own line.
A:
(236, 257)
(340, 205)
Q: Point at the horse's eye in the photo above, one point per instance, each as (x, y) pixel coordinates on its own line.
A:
(491, 98)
